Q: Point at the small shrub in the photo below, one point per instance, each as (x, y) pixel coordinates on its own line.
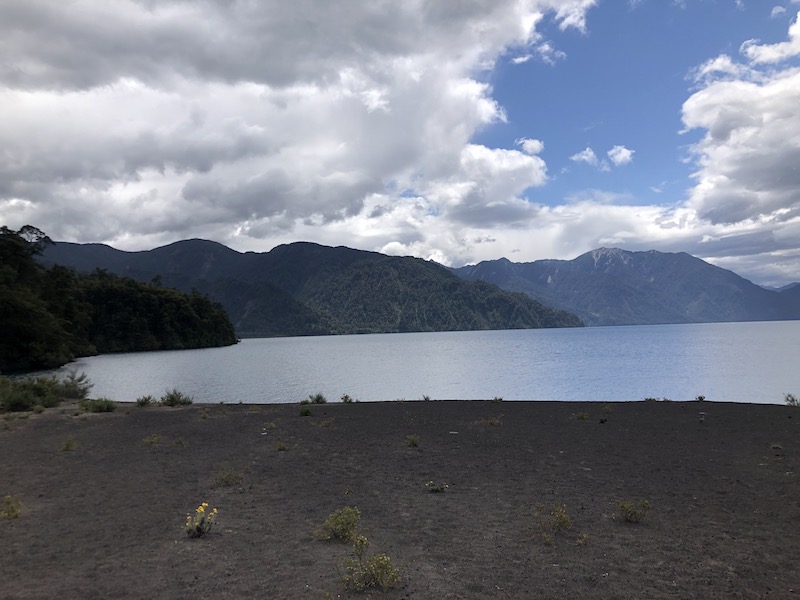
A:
(436, 488)
(630, 512)
(497, 399)
(491, 421)
(98, 405)
(175, 398)
(69, 445)
(346, 399)
(151, 440)
(38, 409)
(11, 509)
(180, 443)
(281, 446)
(791, 400)
(75, 386)
(145, 401)
(700, 399)
(200, 523)
(363, 572)
(228, 478)
(583, 538)
(317, 398)
(341, 524)
(426, 398)
(412, 441)
(305, 411)
(551, 520)
(270, 425)
(582, 416)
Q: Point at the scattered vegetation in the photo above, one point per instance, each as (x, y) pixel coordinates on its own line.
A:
(97, 405)
(491, 421)
(497, 399)
(582, 416)
(69, 445)
(346, 399)
(281, 446)
(25, 393)
(583, 538)
(700, 399)
(174, 397)
(412, 441)
(11, 509)
(317, 398)
(340, 525)
(305, 411)
(200, 523)
(551, 520)
(791, 400)
(436, 488)
(631, 512)
(270, 425)
(145, 401)
(151, 440)
(228, 477)
(363, 572)
(426, 398)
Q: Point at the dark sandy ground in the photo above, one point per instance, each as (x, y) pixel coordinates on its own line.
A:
(105, 520)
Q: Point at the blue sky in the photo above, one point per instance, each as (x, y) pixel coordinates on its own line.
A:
(457, 132)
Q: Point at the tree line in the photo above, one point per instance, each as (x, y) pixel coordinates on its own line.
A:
(49, 316)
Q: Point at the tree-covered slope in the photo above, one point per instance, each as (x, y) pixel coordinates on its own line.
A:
(49, 316)
(309, 289)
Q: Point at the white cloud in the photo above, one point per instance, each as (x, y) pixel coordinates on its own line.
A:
(747, 160)
(774, 53)
(586, 156)
(530, 146)
(777, 11)
(620, 155)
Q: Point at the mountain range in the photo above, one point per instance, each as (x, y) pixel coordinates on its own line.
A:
(309, 289)
(610, 286)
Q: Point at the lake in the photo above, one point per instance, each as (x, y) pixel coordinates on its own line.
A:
(736, 362)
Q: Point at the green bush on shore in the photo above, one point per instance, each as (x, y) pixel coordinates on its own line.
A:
(21, 394)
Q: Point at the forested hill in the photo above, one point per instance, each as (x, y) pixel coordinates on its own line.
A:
(309, 289)
(48, 316)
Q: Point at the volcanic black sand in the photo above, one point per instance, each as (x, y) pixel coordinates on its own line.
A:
(106, 519)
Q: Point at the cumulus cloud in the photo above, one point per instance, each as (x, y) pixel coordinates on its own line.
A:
(620, 155)
(777, 11)
(145, 121)
(747, 160)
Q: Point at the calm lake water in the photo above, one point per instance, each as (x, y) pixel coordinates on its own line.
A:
(737, 362)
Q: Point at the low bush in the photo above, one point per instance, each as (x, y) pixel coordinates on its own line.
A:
(305, 411)
(97, 405)
(582, 416)
(791, 400)
(346, 399)
(412, 441)
(200, 523)
(551, 520)
(228, 478)
(631, 512)
(340, 525)
(175, 398)
(145, 401)
(436, 488)
(317, 398)
(21, 394)
(363, 572)
(69, 445)
(151, 440)
(11, 508)
(490, 421)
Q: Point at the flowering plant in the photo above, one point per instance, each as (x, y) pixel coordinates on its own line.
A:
(201, 521)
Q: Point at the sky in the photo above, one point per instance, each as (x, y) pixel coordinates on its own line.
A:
(452, 131)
